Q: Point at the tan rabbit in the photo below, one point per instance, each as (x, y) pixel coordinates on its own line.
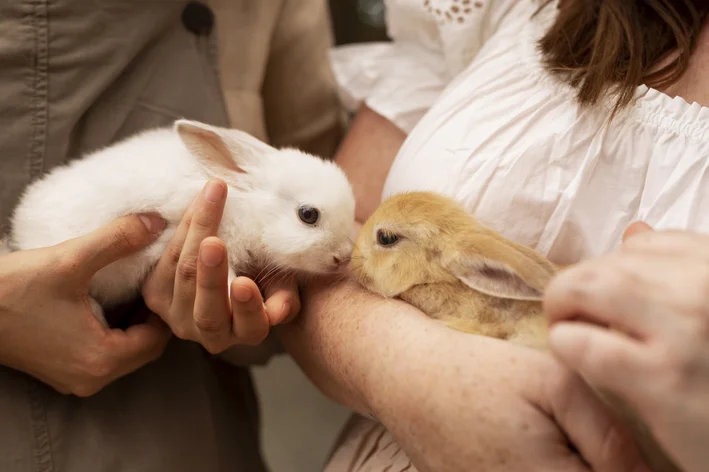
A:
(425, 249)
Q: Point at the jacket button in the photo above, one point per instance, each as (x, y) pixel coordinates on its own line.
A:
(198, 18)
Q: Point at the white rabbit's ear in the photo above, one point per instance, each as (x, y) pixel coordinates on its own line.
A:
(221, 150)
(499, 269)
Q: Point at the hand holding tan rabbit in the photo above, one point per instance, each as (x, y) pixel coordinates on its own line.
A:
(654, 292)
(425, 249)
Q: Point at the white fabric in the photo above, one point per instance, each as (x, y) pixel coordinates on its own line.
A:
(510, 143)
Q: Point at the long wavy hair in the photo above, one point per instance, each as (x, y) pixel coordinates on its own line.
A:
(617, 45)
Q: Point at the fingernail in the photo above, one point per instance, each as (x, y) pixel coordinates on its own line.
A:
(242, 294)
(564, 337)
(214, 191)
(211, 255)
(153, 222)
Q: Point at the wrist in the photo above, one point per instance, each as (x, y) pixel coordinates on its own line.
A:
(336, 342)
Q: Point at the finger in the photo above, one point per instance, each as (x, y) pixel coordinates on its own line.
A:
(600, 439)
(282, 301)
(205, 222)
(605, 358)
(139, 344)
(669, 244)
(159, 286)
(115, 240)
(212, 313)
(636, 228)
(250, 322)
(610, 292)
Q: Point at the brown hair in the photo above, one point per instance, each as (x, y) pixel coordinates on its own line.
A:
(617, 45)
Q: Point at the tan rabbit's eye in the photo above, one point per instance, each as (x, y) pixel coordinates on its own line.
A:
(386, 239)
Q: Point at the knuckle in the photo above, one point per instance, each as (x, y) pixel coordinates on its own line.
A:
(203, 221)
(97, 365)
(155, 352)
(155, 301)
(605, 284)
(85, 389)
(209, 324)
(187, 269)
(575, 284)
(210, 279)
(181, 332)
(214, 347)
(173, 253)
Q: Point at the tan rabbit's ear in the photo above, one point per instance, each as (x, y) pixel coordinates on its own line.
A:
(221, 150)
(502, 269)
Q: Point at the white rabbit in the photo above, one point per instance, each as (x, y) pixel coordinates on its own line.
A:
(284, 207)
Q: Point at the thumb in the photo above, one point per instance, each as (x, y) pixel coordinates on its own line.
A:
(636, 228)
(116, 240)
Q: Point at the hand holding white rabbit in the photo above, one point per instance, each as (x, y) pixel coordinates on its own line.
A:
(189, 287)
(47, 328)
(274, 212)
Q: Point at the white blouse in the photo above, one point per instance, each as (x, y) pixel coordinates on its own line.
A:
(488, 126)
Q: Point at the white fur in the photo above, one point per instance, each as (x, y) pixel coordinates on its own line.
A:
(163, 170)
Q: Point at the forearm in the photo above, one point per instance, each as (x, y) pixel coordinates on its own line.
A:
(345, 340)
(366, 155)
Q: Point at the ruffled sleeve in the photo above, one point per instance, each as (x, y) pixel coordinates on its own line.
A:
(432, 41)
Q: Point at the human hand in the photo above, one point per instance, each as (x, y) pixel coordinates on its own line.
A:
(189, 287)
(505, 409)
(654, 293)
(47, 328)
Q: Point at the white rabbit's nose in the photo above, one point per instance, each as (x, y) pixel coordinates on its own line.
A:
(340, 260)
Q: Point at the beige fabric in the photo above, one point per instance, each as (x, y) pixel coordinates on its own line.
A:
(366, 446)
(75, 79)
(289, 96)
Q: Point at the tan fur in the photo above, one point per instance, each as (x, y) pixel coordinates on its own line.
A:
(434, 267)
(518, 321)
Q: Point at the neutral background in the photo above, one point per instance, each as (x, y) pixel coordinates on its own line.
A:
(299, 423)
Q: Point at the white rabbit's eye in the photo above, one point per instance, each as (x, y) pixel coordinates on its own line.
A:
(386, 239)
(308, 215)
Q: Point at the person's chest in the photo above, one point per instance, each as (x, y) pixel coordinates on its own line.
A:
(512, 146)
